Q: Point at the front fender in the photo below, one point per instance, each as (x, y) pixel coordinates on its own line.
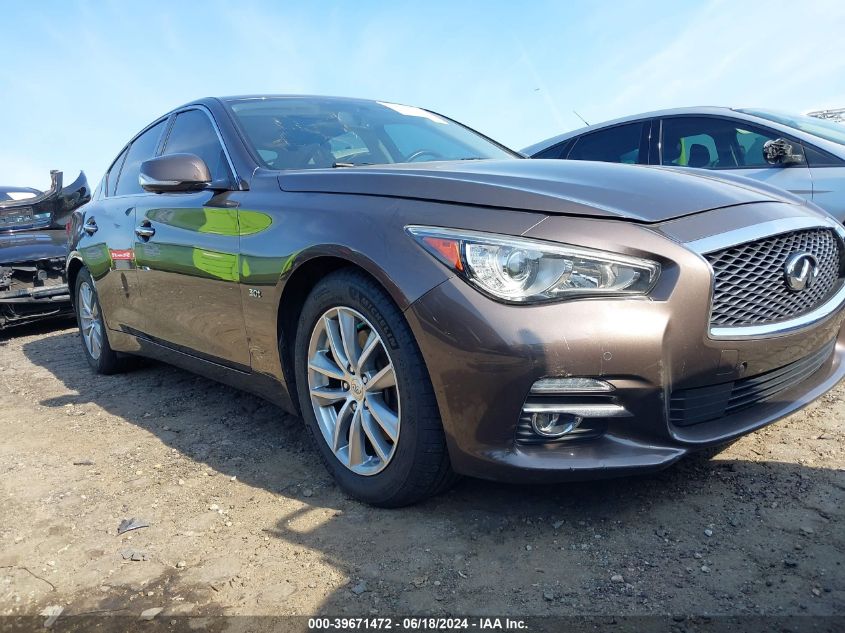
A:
(402, 295)
(283, 235)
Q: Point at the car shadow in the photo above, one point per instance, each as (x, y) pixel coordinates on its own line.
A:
(724, 536)
(42, 326)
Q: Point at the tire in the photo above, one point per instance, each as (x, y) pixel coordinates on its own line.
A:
(402, 456)
(89, 317)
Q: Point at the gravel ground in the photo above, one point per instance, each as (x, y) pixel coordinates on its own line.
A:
(243, 519)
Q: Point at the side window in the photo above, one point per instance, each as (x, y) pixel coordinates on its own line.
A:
(193, 133)
(818, 158)
(555, 151)
(751, 141)
(143, 148)
(620, 144)
(111, 177)
(713, 143)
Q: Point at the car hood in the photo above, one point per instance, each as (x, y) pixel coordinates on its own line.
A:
(633, 192)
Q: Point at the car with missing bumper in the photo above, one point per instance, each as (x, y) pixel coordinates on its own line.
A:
(33, 249)
(433, 304)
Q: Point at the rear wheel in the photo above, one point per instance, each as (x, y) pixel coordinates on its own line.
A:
(366, 396)
(92, 329)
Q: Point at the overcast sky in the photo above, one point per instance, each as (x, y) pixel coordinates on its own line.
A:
(80, 78)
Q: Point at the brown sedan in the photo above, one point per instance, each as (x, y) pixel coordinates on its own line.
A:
(432, 304)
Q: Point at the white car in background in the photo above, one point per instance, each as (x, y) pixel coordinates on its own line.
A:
(799, 153)
(831, 114)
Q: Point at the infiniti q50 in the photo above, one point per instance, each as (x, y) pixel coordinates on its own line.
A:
(432, 304)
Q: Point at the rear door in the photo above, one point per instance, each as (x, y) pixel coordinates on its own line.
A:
(626, 143)
(107, 245)
(560, 150)
(188, 268)
(731, 145)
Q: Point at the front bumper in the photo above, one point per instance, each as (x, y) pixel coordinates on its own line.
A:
(18, 307)
(32, 282)
(483, 357)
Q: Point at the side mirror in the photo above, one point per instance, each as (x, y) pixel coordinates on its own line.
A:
(781, 152)
(174, 172)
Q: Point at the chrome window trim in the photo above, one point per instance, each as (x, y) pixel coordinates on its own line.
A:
(128, 147)
(761, 231)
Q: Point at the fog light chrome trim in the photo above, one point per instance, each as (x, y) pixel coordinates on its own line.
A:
(579, 410)
(552, 384)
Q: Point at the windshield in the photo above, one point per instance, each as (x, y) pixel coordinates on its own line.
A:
(828, 130)
(314, 133)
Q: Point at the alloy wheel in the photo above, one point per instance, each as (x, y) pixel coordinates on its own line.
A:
(353, 390)
(90, 323)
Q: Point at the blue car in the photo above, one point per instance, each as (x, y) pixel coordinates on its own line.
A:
(802, 154)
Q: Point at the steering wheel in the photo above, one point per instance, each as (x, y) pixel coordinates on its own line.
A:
(313, 156)
(424, 152)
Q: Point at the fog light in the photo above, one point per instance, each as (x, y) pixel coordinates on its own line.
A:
(554, 424)
(571, 385)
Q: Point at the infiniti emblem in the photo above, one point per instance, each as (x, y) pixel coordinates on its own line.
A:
(801, 271)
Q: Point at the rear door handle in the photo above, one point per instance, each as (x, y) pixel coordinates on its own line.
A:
(145, 230)
(90, 226)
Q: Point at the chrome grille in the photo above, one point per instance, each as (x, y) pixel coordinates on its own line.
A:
(750, 286)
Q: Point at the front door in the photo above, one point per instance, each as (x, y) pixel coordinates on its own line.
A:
(187, 257)
(732, 146)
(187, 249)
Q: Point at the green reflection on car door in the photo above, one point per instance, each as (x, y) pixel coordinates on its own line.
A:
(252, 222)
(96, 258)
(189, 274)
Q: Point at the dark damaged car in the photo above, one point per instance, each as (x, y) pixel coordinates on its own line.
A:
(433, 304)
(33, 249)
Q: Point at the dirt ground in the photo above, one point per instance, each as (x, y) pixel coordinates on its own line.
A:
(243, 519)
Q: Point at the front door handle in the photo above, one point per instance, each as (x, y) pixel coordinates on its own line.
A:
(90, 226)
(145, 230)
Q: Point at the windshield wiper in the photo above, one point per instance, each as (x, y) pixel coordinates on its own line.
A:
(350, 164)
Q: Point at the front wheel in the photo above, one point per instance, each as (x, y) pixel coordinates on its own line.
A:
(92, 329)
(366, 395)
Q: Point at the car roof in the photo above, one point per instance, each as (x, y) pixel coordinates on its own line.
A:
(744, 114)
(213, 103)
(227, 100)
(256, 97)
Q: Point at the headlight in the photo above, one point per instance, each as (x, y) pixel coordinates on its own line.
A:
(520, 270)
